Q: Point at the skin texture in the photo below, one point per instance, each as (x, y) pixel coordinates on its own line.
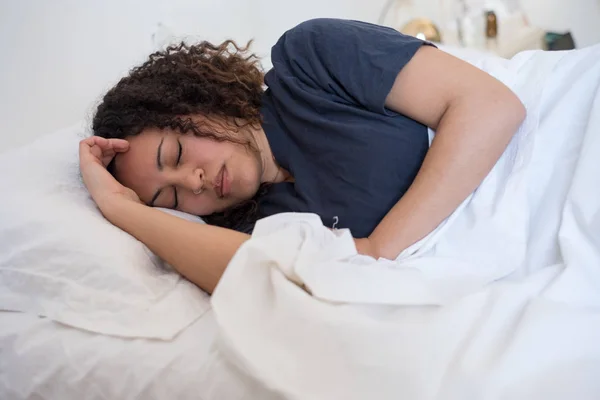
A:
(200, 90)
(474, 115)
(190, 182)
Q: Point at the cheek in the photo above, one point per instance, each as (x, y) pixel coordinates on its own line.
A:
(251, 174)
(196, 204)
(203, 151)
(137, 176)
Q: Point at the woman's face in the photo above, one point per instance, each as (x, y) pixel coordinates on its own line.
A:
(192, 174)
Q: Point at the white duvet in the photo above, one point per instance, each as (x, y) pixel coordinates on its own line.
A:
(502, 301)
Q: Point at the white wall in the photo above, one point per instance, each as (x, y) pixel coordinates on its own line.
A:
(581, 17)
(59, 56)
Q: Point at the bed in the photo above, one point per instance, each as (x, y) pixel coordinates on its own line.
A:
(502, 301)
(44, 359)
(87, 311)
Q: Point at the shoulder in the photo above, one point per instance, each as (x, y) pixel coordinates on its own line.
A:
(335, 26)
(316, 25)
(305, 35)
(324, 24)
(330, 35)
(355, 61)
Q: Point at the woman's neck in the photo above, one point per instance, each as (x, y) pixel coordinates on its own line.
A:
(271, 171)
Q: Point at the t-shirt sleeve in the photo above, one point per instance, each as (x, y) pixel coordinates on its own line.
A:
(354, 61)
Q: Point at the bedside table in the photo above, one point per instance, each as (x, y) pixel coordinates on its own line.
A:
(514, 36)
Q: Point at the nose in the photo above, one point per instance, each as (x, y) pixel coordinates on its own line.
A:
(194, 180)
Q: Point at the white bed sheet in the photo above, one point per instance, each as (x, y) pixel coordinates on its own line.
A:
(502, 301)
(43, 359)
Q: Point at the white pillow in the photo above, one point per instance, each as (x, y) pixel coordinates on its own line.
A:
(60, 258)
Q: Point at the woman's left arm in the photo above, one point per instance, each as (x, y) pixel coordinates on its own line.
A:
(474, 116)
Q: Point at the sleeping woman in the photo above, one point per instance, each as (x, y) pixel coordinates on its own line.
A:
(338, 127)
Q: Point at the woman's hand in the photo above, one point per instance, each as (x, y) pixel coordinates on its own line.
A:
(95, 153)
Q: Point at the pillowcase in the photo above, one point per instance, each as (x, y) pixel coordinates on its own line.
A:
(61, 259)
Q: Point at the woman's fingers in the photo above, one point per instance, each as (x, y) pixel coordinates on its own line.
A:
(87, 151)
(118, 145)
(115, 144)
(94, 155)
(101, 149)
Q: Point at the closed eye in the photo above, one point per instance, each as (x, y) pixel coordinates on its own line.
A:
(180, 151)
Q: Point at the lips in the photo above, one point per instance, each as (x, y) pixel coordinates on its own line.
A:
(225, 182)
(221, 183)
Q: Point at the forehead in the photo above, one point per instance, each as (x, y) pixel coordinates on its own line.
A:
(137, 167)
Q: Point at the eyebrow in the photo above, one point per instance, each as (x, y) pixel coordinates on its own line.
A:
(160, 168)
(158, 151)
(180, 151)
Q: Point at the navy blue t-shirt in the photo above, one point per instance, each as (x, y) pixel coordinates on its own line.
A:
(326, 122)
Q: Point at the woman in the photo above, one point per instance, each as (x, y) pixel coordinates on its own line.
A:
(340, 131)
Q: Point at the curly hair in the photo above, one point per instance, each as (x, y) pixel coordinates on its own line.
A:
(223, 83)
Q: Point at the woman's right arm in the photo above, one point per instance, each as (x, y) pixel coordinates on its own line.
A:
(199, 252)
